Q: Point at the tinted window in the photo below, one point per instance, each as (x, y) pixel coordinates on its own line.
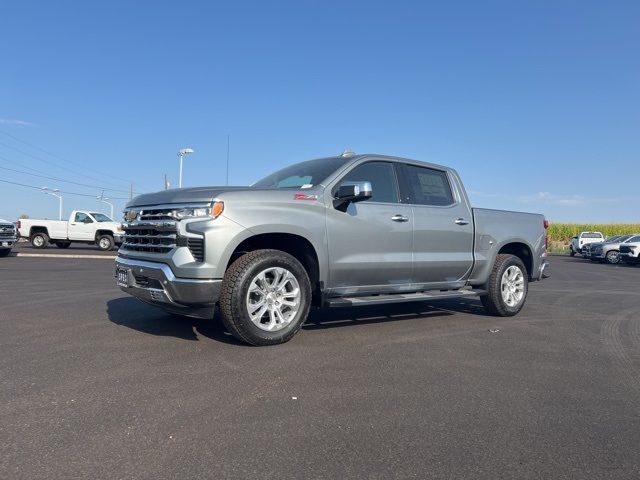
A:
(309, 173)
(382, 177)
(634, 239)
(82, 218)
(428, 186)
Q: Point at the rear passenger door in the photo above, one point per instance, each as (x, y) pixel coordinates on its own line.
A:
(443, 227)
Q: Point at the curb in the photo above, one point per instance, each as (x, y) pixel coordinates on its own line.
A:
(45, 255)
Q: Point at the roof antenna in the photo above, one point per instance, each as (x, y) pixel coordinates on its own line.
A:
(347, 153)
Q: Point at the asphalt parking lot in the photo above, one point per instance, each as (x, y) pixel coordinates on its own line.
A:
(95, 384)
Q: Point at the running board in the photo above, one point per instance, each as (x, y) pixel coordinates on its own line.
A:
(400, 297)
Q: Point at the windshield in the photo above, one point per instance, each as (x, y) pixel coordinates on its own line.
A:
(303, 174)
(101, 217)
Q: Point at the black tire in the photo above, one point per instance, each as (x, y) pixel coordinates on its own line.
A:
(235, 288)
(63, 244)
(5, 252)
(571, 252)
(39, 240)
(105, 242)
(493, 301)
(612, 257)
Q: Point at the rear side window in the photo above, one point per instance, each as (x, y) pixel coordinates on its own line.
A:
(428, 186)
(591, 235)
(382, 177)
(634, 239)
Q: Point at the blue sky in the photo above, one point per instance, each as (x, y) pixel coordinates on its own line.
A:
(536, 104)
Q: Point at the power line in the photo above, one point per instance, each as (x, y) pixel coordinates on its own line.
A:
(61, 191)
(61, 180)
(32, 145)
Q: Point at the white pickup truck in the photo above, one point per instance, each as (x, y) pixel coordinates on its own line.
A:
(83, 227)
(582, 239)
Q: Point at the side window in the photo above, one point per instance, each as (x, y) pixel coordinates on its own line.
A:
(428, 186)
(382, 177)
(83, 218)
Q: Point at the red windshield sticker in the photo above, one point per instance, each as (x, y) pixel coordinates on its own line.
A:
(304, 196)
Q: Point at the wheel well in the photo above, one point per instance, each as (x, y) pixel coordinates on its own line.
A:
(522, 251)
(295, 245)
(99, 233)
(35, 230)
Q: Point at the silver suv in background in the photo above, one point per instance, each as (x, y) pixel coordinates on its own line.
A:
(8, 237)
(609, 250)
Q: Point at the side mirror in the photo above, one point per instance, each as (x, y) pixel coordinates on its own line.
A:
(352, 192)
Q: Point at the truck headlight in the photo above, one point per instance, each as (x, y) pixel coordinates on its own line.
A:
(215, 210)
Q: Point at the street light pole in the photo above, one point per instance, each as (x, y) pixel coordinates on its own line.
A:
(181, 153)
(104, 200)
(55, 193)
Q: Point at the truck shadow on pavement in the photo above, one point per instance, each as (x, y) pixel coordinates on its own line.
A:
(134, 314)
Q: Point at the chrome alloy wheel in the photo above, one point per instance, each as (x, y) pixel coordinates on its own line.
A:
(38, 241)
(512, 286)
(104, 243)
(273, 299)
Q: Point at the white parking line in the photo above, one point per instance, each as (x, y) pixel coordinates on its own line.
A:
(108, 257)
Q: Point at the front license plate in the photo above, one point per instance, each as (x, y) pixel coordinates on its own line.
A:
(123, 277)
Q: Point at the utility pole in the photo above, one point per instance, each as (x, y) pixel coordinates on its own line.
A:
(228, 141)
(166, 182)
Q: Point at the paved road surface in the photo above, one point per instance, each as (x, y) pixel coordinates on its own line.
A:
(96, 385)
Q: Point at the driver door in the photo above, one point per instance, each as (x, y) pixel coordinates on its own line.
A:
(82, 227)
(370, 243)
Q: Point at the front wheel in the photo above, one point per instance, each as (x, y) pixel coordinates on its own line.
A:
(105, 242)
(265, 298)
(507, 287)
(612, 257)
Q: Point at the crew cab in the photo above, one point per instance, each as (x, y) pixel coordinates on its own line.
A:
(582, 239)
(341, 231)
(82, 227)
(8, 237)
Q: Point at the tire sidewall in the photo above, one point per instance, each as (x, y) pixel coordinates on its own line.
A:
(238, 301)
(44, 240)
(608, 260)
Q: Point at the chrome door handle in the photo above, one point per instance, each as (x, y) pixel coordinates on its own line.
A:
(460, 221)
(400, 218)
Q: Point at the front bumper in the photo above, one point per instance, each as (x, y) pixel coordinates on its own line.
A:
(156, 284)
(8, 242)
(118, 237)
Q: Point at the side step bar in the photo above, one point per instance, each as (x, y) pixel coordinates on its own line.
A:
(401, 297)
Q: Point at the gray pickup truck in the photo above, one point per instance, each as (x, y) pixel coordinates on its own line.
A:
(333, 232)
(8, 237)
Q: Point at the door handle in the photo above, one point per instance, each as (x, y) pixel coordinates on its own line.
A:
(399, 218)
(460, 221)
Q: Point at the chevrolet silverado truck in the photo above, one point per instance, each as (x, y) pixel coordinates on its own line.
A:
(83, 227)
(8, 237)
(333, 232)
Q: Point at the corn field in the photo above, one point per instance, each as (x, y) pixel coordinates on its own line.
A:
(560, 233)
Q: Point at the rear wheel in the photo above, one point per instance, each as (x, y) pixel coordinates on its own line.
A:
(612, 257)
(507, 287)
(571, 252)
(265, 298)
(105, 242)
(39, 240)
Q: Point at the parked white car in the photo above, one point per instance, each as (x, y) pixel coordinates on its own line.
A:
(630, 250)
(583, 239)
(8, 237)
(83, 227)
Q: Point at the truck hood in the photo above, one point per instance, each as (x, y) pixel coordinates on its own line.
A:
(185, 195)
(2, 220)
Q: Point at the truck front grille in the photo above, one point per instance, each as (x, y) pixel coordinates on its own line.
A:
(157, 235)
(7, 232)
